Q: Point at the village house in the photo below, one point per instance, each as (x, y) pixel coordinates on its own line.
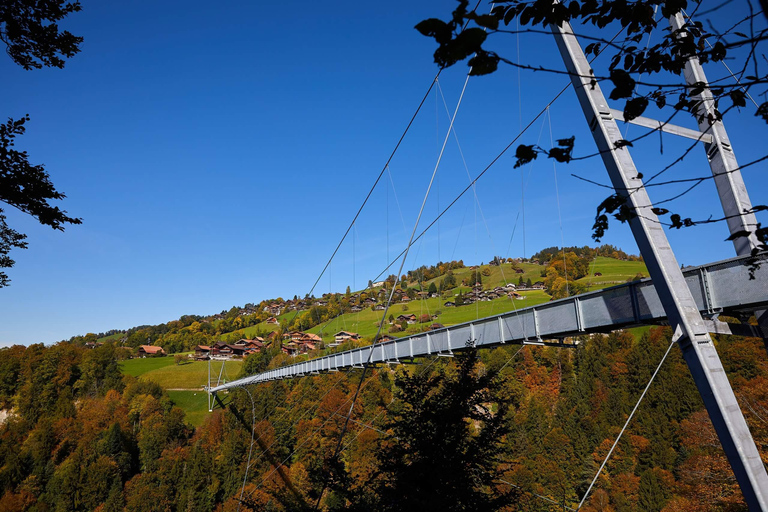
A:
(272, 320)
(273, 309)
(293, 335)
(202, 352)
(435, 326)
(253, 346)
(342, 336)
(150, 351)
(410, 319)
(221, 350)
(309, 337)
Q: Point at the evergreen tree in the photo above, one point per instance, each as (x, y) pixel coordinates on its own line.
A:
(445, 445)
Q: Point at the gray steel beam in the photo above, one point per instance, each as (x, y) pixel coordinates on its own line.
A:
(725, 169)
(634, 303)
(722, 160)
(673, 129)
(691, 331)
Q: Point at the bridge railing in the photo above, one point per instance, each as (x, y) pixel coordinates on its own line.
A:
(732, 286)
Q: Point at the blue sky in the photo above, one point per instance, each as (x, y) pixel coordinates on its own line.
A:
(217, 153)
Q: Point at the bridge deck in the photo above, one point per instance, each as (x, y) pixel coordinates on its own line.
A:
(722, 287)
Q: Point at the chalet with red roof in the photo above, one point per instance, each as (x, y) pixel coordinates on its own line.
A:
(151, 351)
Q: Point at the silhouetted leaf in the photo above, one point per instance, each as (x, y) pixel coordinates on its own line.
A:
(675, 220)
(436, 28)
(624, 84)
(739, 234)
(488, 21)
(635, 107)
(483, 63)
(524, 154)
(762, 111)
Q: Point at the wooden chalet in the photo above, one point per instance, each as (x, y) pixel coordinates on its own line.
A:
(291, 348)
(342, 336)
(202, 352)
(150, 351)
(293, 336)
(309, 337)
(223, 350)
(410, 319)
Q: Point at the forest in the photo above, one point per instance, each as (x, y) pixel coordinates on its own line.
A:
(514, 429)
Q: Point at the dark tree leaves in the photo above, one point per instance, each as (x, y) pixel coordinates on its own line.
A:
(739, 234)
(525, 154)
(28, 188)
(563, 153)
(613, 204)
(624, 84)
(678, 222)
(32, 37)
(436, 28)
(738, 97)
(635, 107)
(483, 63)
(459, 48)
(762, 111)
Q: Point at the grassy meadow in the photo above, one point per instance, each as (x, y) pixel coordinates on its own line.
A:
(194, 404)
(140, 366)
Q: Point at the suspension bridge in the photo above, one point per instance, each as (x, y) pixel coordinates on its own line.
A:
(690, 300)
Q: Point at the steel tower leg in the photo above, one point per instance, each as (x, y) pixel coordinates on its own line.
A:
(684, 317)
(722, 160)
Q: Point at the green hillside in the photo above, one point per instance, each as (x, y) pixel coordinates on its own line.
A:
(184, 382)
(613, 272)
(364, 322)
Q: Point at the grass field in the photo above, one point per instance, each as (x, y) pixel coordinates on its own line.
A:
(614, 272)
(192, 375)
(194, 404)
(139, 366)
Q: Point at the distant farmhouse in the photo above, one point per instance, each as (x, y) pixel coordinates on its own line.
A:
(150, 351)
